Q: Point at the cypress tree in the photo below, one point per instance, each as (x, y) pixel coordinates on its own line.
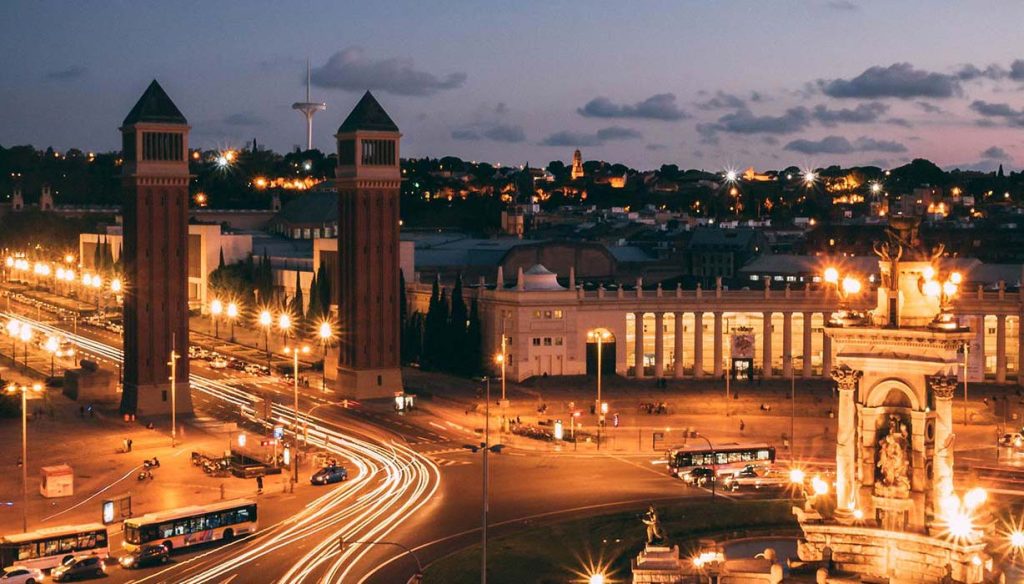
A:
(296, 307)
(443, 347)
(315, 311)
(432, 325)
(220, 264)
(324, 282)
(457, 328)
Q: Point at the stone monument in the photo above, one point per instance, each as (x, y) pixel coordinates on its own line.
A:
(896, 374)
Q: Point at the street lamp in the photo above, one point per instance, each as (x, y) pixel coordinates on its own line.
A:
(326, 333)
(24, 389)
(52, 346)
(294, 352)
(265, 321)
(600, 336)
(284, 322)
(13, 326)
(486, 447)
(232, 313)
(25, 333)
(847, 287)
(216, 308)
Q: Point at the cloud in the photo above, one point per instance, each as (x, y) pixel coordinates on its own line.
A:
(745, 122)
(722, 100)
(901, 122)
(243, 119)
(352, 70)
(501, 109)
(508, 133)
(656, 147)
(840, 145)
(69, 74)
(770, 140)
(971, 72)
(929, 108)
(899, 80)
(618, 133)
(844, 5)
(612, 133)
(1017, 70)
(662, 106)
(1002, 111)
(864, 113)
(995, 153)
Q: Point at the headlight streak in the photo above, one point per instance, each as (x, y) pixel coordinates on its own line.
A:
(409, 480)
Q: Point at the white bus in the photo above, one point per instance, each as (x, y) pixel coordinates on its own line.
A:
(723, 458)
(48, 548)
(180, 528)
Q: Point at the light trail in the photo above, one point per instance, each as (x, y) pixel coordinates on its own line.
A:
(405, 481)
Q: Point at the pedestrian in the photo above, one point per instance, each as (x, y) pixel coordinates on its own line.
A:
(259, 485)
(81, 411)
(742, 425)
(124, 445)
(130, 446)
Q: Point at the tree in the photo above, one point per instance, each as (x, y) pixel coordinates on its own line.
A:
(474, 342)
(220, 264)
(315, 312)
(456, 340)
(324, 282)
(296, 307)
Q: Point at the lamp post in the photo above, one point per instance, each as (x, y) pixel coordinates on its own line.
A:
(232, 313)
(284, 323)
(25, 333)
(714, 463)
(326, 334)
(173, 364)
(12, 330)
(216, 309)
(52, 346)
(294, 351)
(265, 321)
(600, 336)
(487, 447)
(24, 389)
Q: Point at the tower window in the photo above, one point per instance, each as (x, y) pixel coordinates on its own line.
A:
(378, 152)
(162, 146)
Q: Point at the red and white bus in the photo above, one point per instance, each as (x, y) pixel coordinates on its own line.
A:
(180, 528)
(50, 547)
(724, 458)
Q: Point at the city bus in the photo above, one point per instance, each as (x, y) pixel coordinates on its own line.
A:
(50, 547)
(180, 528)
(725, 458)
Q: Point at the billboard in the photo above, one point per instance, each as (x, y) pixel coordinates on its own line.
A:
(741, 345)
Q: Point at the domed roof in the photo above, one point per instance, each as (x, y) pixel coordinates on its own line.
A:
(540, 278)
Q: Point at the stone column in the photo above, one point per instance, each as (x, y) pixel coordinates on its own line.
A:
(846, 436)
(787, 344)
(766, 350)
(638, 348)
(943, 387)
(1000, 348)
(718, 344)
(826, 353)
(698, 344)
(659, 344)
(807, 345)
(677, 368)
(1020, 346)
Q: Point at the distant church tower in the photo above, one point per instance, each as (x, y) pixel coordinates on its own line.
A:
(155, 252)
(577, 165)
(46, 198)
(18, 199)
(368, 180)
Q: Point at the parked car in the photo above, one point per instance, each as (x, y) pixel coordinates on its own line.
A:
(218, 363)
(146, 556)
(328, 475)
(21, 575)
(80, 567)
(698, 477)
(1014, 439)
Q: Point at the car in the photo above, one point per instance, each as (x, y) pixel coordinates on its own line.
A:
(21, 575)
(698, 477)
(80, 567)
(329, 474)
(218, 363)
(756, 478)
(146, 556)
(1014, 439)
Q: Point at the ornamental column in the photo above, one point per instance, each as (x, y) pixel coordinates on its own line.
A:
(808, 361)
(659, 344)
(943, 387)
(826, 352)
(698, 344)
(1000, 348)
(766, 352)
(847, 380)
(638, 345)
(1020, 348)
(787, 344)
(677, 333)
(718, 344)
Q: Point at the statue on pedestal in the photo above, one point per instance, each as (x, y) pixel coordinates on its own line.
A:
(893, 461)
(655, 535)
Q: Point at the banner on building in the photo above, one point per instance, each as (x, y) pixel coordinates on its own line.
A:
(742, 345)
(975, 350)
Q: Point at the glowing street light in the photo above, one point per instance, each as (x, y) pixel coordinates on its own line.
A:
(596, 579)
(24, 390)
(266, 320)
(52, 346)
(116, 285)
(326, 334)
(216, 309)
(232, 313)
(294, 351)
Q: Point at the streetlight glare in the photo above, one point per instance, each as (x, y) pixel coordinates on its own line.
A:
(831, 275)
(232, 310)
(797, 476)
(932, 289)
(266, 318)
(284, 322)
(596, 579)
(1017, 539)
(325, 330)
(851, 285)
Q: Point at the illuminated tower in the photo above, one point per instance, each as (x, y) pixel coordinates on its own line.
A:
(155, 178)
(577, 165)
(308, 108)
(368, 180)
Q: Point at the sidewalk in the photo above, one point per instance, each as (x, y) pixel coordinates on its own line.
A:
(92, 445)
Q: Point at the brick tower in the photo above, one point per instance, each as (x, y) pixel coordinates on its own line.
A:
(155, 178)
(368, 180)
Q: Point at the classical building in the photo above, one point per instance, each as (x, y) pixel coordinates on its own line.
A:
(577, 165)
(368, 179)
(155, 178)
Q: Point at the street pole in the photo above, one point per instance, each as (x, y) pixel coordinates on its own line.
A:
(728, 376)
(174, 387)
(24, 459)
(295, 430)
(487, 446)
(792, 411)
(600, 414)
(966, 350)
(503, 358)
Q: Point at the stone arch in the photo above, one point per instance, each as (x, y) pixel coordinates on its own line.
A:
(882, 394)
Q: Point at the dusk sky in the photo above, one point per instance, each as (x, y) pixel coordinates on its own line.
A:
(705, 84)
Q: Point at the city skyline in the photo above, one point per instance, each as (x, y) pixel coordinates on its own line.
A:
(807, 84)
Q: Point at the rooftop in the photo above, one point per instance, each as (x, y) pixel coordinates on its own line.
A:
(155, 106)
(368, 115)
